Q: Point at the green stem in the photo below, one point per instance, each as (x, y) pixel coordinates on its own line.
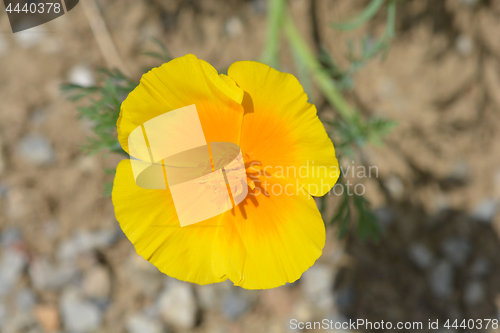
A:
(270, 54)
(320, 75)
(361, 18)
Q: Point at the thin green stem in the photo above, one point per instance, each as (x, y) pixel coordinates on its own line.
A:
(320, 75)
(362, 17)
(270, 55)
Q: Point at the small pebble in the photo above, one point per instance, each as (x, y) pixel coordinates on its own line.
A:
(30, 38)
(395, 187)
(474, 293)
(317, 281)
(46, 276)
(17, 203)
(317, 285)
(442, 280)
(234, 27)
(97, 283)
(36, 150)
(303, 310)
(48, 318)
(421, 256)
(385, 216)
(469, 3)
(480, 268)
(459, 172)
(79, 315)
(18, 322)
(88, 164)
(81, 75)
(177, 305)
(51, 229)
(457, 250)
(85, 241)
(143, 275)
(142, 324)
(259, 6)
(485, 211)
(10, 237)
(464, 45)
(12, 264)
(234, 305)
(25, 300)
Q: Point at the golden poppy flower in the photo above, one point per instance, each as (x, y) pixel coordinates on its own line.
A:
(277, 232)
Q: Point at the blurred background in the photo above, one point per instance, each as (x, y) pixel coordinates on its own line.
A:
(65, 265)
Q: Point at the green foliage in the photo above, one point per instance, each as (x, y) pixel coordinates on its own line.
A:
(362, 18)
(354, 207)
(162, 54)
(350, 130)
(108, 186)
(372, 47)
(358, 133)
(276, 15)
(102, 108)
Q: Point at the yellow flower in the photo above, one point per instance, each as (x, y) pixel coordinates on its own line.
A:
(277, 232)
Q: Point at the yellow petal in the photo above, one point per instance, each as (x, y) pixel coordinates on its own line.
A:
(270, 239)
(281, 130)
(148, 219)
(181, 82)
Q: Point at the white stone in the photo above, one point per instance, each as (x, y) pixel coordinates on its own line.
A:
(142, 324)
(36, 150)
(79, 315)
(84, 241)
(303, 310)
(44, 275)
(143, 275)
(485, 211)
(234, 27)
(396, 187)
(81, 75)
(177, 305)
(97, 283)
(317, 283)
(29, 38)
(464, 45)
(25, 300)
(12, 264)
